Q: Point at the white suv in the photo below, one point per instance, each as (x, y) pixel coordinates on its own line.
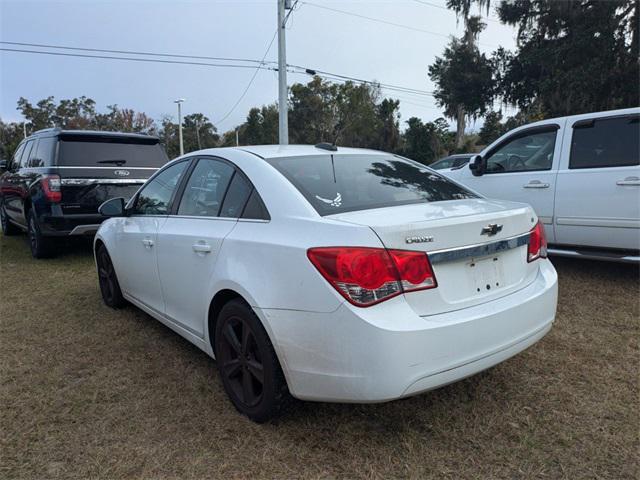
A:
(581, 174)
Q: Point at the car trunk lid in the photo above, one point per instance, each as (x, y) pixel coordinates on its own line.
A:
(471, 267)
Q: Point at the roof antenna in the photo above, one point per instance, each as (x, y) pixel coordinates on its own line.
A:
(327, 146)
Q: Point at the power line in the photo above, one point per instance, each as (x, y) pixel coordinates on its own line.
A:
(131, 59)
(257, 68)
(386, 22)
(338, 76)
(131, 52)
(442, 7)
(378, 20)
(255, 74)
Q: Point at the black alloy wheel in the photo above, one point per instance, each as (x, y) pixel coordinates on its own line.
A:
(41, 247)
(248, 365)
(109, 286)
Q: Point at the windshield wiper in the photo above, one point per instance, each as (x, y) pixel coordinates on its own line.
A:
(118, 162)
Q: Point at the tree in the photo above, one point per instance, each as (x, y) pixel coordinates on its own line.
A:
(492, 128)
(348, 114)
(425, 142)
(572, 57)
(464, 82)
(10, 136)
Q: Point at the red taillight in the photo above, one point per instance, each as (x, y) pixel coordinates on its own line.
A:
(51, 188)
(414, 269)
(537, 243)
(366, 276)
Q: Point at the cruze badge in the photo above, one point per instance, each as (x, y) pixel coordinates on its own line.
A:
(491, 229)
(121, 173)
(418, 239)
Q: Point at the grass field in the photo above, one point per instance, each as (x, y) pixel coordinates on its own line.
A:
(91, 392)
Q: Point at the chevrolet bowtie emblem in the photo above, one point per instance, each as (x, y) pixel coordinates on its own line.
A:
(491, 229)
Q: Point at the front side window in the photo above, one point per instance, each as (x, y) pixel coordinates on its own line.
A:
(444, 163)
(15, 162)
(206, 188)
(155, 197)
(523, 153)
(344, 183)
(606, 142)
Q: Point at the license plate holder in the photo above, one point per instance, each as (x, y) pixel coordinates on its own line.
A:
(486, 274)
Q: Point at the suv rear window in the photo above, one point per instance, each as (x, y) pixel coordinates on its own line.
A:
(345, 183)
(98, 151)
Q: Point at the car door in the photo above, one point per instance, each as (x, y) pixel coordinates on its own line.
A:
(136, 236)
(189, 241)
(18, 188)
(598, 192)
(10, 191)
(522, 167)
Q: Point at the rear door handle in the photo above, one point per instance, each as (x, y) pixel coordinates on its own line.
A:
(536, 184)
(201, 247)
(147, 242)
(629, 181)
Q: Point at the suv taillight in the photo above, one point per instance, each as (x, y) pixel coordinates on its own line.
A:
(51, 187)
(537, 243)
(366, 276)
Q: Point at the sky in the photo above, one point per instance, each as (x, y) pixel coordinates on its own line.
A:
(318, 37)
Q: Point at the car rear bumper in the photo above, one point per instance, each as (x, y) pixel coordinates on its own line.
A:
(386, 352)
(65, 225)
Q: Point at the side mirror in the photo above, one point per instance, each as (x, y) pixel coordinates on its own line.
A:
(477, 165)
(112, 208)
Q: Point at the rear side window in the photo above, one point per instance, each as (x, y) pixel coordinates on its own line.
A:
(42, 155)
(236, 197)
(206, 188)
(98, 151)
(344, 183)
(606, 142)
(255, 209)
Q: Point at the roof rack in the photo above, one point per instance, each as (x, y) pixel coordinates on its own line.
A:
(45, 130)
(327, 146)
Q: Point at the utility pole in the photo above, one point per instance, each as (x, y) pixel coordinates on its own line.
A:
(198, 134)
(24, 129)
(179, 102)
(237, 137)
(283, 122)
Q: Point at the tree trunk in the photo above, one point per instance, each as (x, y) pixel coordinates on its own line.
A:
(461, 124)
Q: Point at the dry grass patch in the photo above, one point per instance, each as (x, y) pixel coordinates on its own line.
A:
(91, 392)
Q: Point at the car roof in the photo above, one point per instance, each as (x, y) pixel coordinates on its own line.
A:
(279, 151)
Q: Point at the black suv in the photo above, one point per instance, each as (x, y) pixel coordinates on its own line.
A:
(57, 179)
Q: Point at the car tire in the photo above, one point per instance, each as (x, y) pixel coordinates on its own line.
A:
(41, 246)
(108, 280)
(8, 228)
(248, 365)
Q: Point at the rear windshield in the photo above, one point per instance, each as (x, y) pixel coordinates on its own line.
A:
(111, 152)
(345, 183)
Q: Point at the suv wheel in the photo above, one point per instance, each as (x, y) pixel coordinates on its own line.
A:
(41, 247)
(248, 365)
(8, 228)
(109, 286)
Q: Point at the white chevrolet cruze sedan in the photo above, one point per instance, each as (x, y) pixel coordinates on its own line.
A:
(330, 274)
